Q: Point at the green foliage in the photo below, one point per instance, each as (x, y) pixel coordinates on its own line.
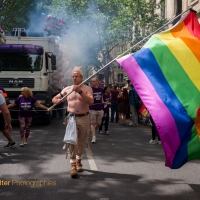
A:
(15, 13)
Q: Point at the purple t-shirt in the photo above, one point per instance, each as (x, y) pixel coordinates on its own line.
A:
(106, 98)
(97, 93)
(25, 106)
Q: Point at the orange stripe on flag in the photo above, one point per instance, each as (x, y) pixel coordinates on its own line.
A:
(186, 36)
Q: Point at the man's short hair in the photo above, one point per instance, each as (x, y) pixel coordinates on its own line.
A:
(78, 71)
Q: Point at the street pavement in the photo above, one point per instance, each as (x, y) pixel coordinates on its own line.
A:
(122, 165)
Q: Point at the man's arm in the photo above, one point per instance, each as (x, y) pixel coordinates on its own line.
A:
(58, 97)
(5, 112)
(6, 115)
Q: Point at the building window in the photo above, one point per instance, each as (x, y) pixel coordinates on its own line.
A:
(163, 8)
(119, 67)
(120, 77)
(121, 48)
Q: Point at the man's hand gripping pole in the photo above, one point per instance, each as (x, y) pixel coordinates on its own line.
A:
(61, 100)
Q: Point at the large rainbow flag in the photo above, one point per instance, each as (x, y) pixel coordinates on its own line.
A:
(166, 75)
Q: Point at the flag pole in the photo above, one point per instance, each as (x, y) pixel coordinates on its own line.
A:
(63, 98)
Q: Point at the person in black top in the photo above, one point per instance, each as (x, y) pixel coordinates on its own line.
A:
(106, 106)
(114, 104)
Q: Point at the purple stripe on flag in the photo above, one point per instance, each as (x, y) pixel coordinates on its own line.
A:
(163, 119)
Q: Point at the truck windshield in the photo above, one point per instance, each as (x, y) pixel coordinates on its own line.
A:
(21, 57)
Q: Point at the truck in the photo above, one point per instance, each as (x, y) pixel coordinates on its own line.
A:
(29, 60)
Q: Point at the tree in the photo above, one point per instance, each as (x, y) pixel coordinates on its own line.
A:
(101, 25)
(15, 14)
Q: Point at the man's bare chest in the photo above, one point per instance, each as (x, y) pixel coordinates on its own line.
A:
(73, 96)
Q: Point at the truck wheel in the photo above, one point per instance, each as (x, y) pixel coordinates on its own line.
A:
(47, 119)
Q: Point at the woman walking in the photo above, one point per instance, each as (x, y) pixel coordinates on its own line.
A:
(123, 106)
(26, 102)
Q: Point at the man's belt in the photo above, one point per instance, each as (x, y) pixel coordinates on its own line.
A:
(81, 115)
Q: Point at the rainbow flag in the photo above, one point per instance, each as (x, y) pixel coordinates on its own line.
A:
(143, 111)
(166, 75)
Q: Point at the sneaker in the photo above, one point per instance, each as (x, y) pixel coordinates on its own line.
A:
(159, 142)
(131, 124)
(10, 145)
(25, 142)
(107, 132)
(22, 144)
(153, 142)
(101, 132)
(93, 140)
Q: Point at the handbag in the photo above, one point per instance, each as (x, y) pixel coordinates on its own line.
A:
(71, 132)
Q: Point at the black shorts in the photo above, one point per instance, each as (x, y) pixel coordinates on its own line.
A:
(2, 122)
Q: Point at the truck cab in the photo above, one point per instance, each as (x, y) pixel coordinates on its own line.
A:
(29, 62)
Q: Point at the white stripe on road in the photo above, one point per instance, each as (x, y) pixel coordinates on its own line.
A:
(91, 161)
(104, 199)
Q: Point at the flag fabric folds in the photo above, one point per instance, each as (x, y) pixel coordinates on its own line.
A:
(166, 75)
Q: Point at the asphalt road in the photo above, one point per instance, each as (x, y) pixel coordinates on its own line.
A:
(123, 166)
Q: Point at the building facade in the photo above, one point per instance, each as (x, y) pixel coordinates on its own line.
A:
(117, 74)
(195, 4)
(171, 6)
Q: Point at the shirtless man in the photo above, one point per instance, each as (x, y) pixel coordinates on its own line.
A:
(78, 104)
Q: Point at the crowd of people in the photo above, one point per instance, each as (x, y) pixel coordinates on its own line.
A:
(92, 106)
